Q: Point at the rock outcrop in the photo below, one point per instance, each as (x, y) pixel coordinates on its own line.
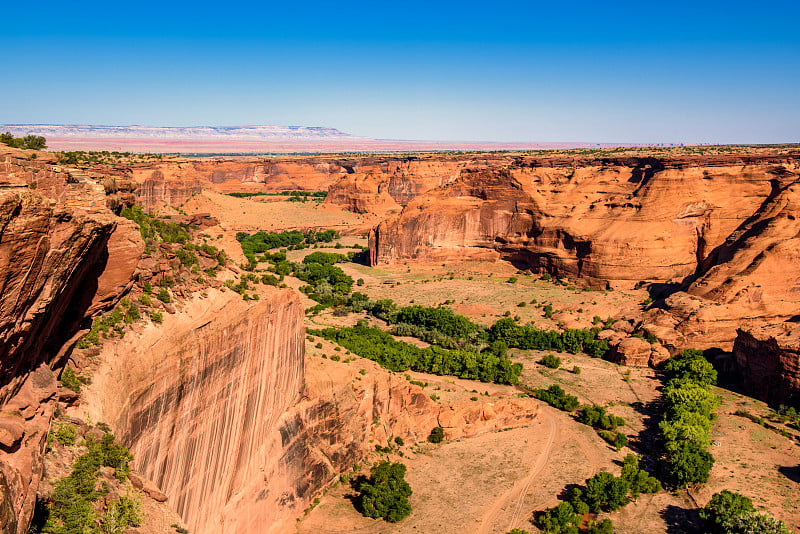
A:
(767, 362)
(56, 269)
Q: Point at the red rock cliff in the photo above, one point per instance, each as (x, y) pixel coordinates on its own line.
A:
(58, 245)
(608, 222)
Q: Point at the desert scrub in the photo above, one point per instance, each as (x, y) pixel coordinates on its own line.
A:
(163, 295)
(550, 361)
(66, 434)
(70, 380)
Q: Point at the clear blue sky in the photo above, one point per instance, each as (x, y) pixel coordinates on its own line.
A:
(515, 71)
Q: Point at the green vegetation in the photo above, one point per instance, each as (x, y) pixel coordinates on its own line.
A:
(689, 412)
(296, 196)
(732, 513)
(66, 434)
(31, 142)
(550, 361)
(436, 435)
(71, 509)
(529, 337)
(385, 493)
(163, 295)
(70, 380)
(381, 347)
(157, 229)
(261, 242)
(556, 397)
(80, 157)
(596, 417)
(602, 493)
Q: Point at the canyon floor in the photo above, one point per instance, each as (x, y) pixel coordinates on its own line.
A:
(494, 482)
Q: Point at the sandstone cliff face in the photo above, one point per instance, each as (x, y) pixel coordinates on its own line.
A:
(752, 277)
(198, 402)
(222, 412)
(600, 222)
(372, 184)
(55, 238)
(767, 360)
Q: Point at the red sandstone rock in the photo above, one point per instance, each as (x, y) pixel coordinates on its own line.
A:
(767, 360)
(632, 351)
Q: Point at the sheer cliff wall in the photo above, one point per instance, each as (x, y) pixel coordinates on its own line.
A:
(198, 402)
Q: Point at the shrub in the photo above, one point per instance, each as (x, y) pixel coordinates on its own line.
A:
(163, 295)
(70, 380)
(145, 300)
(436, 435)
(66, 434)
(596, 417)
(550, 361)
(732, 513)
(560, 519)
(157, 317)
(385, 493)
(399, 441)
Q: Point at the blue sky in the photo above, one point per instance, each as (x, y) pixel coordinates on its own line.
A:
(557, 71)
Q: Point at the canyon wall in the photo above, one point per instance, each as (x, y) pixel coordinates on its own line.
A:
(371, 184)
(198, 401)
(59, 263)
(222, 412)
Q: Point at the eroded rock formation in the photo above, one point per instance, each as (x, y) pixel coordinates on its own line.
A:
(56, 269)
(609, 222)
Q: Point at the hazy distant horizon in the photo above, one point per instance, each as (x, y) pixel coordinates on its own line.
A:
(140, 131)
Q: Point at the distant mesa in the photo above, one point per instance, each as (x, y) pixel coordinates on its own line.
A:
(250, 140)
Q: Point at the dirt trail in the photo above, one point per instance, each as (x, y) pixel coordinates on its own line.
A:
(514, 498)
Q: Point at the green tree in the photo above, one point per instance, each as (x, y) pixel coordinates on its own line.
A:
(436, 435)
(601, 527)
(689, 464)
(385, 493)
(723, 509)
(605, 492)
(34, 142)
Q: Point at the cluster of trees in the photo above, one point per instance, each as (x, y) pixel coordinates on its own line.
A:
(529, 337)
(732, 513)
(327, 283)
(556, 397)
(602, 493)
(157, 229)
(32, 142)
(72, 506)
(385, 493)
(381, 347)
(293, 194)
(261, 241)
(685, 426)
(604, 423)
